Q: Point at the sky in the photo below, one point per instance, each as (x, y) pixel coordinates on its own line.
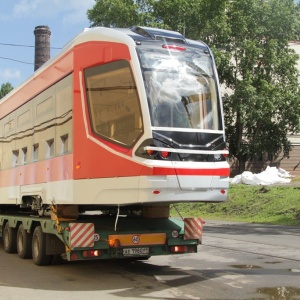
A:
(18, 19)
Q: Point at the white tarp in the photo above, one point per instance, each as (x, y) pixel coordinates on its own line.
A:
(271, 175)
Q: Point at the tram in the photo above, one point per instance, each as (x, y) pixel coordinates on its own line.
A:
(119, 117)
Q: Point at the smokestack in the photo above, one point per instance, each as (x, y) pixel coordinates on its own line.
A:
(42, 45)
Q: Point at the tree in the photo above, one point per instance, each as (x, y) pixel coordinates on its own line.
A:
(5, 89)
(117, 13)
(168, 14)
(121, 13)
(255, 63)
(263, 106)
(178, 15)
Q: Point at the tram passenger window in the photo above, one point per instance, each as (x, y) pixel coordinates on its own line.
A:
(113, 103)
(64, 144)
(35, 152)
(50, 148)
(15, 161)
(24, 155)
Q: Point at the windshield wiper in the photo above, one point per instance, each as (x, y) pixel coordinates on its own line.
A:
(185, 101)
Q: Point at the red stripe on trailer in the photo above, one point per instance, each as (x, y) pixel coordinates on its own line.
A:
(81, 235)
(192, 228)
(85, 236)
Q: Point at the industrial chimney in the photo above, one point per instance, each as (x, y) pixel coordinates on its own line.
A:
(42, 45)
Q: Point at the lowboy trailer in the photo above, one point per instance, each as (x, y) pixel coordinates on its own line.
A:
(49, 240)
(102, 139)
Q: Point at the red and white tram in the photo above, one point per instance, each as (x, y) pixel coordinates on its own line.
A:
(118, 117)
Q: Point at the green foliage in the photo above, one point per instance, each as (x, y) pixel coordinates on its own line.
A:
(255, 63)
(263, 104)
(121, 13)
(255, 204)
(168, 14)
(118, 13)
(5, 89)
(178, 15)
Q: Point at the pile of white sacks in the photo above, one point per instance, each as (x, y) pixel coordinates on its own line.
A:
(271, 175)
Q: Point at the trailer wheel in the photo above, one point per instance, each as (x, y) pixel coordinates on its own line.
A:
(39, 248)
(9, 239)
(24, 241)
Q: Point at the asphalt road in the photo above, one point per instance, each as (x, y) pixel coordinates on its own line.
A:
(236, 261)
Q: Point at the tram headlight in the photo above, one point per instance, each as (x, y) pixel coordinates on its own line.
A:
(164, 154)
(225, 154)
(217, 156)
(150, 152)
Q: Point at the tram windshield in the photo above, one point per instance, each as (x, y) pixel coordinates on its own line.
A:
(181, 88)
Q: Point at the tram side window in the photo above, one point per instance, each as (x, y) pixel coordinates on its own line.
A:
(64, 144)
(24, 155)
(113, 102)
(50, 148)
(35, 152)
(15, 154)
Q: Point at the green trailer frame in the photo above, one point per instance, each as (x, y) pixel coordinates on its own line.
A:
(90, 237)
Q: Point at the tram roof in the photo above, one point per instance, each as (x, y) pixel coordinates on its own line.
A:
(147, 34)
(127, 35)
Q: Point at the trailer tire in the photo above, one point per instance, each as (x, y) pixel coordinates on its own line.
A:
(39, 248)
(24, 243)
(9, 239)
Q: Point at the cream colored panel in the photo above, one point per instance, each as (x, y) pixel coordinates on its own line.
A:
(24, 117)
(44, 110)
(10, 195)
(7, 155)
(9, 142)
(24, 137)
(44, 123)
(64, 100)
(44, 107)
(47, 117)
(9, 125)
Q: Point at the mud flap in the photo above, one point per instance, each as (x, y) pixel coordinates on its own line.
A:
(193, 228)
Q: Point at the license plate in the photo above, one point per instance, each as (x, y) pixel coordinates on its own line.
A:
(136, 251)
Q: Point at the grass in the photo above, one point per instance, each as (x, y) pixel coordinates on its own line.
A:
(278, 205)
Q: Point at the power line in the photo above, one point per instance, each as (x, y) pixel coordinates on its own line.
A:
(18, 45)
(19, 61)
(27, 46)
